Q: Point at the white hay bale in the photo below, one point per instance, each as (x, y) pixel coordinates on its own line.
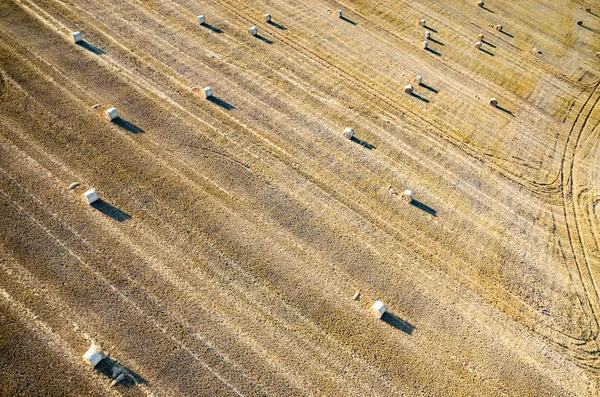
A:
(253, 31)
(480, 37)
(201, 19)
(422, 22)
(91, 196)
(494, 102)
(111, 114)
(77, 37)
(409, 89)
(408, 196)
(94, 355)
(419, 80)
(427, 34)
(348, 133)
(378, 308)
(499, 28)
(267, 17)
(478, 45)
(73, 185)
(356, 295)
(207, 92)
(425, 45)
(340, 13)
(481, 4)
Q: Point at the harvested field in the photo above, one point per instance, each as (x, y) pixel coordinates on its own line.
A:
(231, 232)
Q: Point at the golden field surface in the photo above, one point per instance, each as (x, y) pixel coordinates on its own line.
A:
(232, 232)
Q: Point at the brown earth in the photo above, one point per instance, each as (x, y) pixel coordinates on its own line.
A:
(233, 232)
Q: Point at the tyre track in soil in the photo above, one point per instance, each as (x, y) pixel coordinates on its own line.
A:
(577, 252)
(467, 278)
(382, 95)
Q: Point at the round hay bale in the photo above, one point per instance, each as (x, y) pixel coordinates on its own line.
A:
(481, 4)
(598, 55)
(378, 308)
(580, 23)
(267, 17)
(340, 13)
(422, 22)
(409, 89)
(94, 355)
(588, 9)
(111, 114)
(425, 45)
(418, 80)
(407, 196)
(494, 102)
(427, 34)
(91, 196)
(253, 31)
(356, 295)
(348, 133)
(207, 92)
(499, 28)
(478, 45)
(77, 37)
(201, 19)
(480, 37)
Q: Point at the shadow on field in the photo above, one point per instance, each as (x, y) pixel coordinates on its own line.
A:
(126, 125)
(362, 143)
(91, 48)
(278, 26)
(262, 38)
(487, 9)
(488, 43)
(110, 210)
(343, 18)
(436, 41)
(114, 370)
(430, 88)
(424, 207)
(420, 97)
(505, 110)
(486, 51)
(398, 323)
(433, 51)
(211, 28)
(220, 102)
(585, 27)
(506, 33)
(431, 29)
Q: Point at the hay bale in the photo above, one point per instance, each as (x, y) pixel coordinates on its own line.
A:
(425, 45)
(356, 295)
(348, 133)
(598, 55)
(409, 89)
(77, 37)
(267, 17)
(588, 9)
(499, 28)
(580, 23)
(94, 355)
(422, 22)
(378, 308)
(480, 37)
(340, 13)
(427, 34)
(201, 19)
(73, 185)
(207, 92)
(481, 4)
(91, 196)
(418, 80)
(253, 31)
(407, 196)
(494, 102)
(478, 45)
(111, 114)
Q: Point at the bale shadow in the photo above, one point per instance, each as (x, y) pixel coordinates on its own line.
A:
(278, 26)
(126, 125)
(420, 97)
(434, 52)
(506, 33)
(262, 38)
(364, 144)
(211, 28)
(218, 101)
(110, 211)
(436, 41)
(430, 88)
(424, 207)
(487, 52)
(431, 29)
(505, 110)
(487, 9)
(343, 18)
(112, 369)
(91, 48)
(585, 27)
(488, 43)
(398, 323)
